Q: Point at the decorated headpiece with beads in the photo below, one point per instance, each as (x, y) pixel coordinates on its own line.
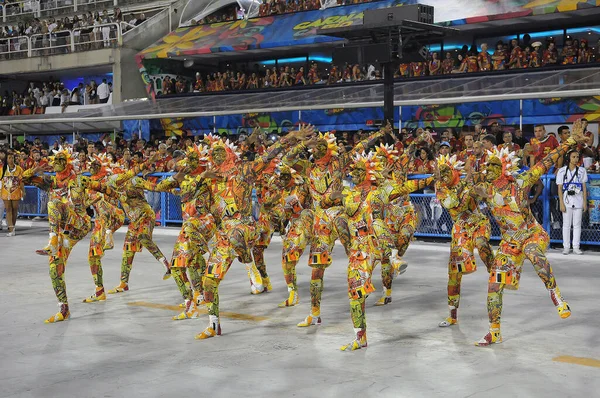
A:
(388, 152)
(508, 159)
(332, 147)
(372, 163)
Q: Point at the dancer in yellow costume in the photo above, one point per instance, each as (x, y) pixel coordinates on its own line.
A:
(362, 206)
(141, 217)
(325, 176)
(505, 195)
(109, 218)
(69, 221)
(471, 229)
(197, 229)
(400, 222)
(231, 181)
(292, 205)
(267, 220)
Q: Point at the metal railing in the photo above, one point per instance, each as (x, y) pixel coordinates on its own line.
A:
(46, 8)
(433, 220)
(62, 42)
(15, 47)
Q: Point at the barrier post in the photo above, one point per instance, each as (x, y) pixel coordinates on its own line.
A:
(546, 201)
(163, 208)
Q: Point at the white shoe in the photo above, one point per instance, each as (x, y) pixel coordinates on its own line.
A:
(13, 234)
(566, 251)
(577, 251)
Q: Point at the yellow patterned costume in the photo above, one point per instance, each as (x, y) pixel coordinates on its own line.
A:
(324, 176)
(109, 218)
(141, 217)
(471, 229)
(362, 206)
(231, 188)
(522, 236)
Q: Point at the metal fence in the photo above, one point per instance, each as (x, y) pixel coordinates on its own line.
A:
(434, 220)
(16, 10)
(62, 42)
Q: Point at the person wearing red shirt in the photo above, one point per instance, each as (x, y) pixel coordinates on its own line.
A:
(542, 144)
(468, 142)
(424, 163)
(476, 161)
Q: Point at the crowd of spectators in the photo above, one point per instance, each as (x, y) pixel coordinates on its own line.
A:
(420, 145)
(506, 56)
(54, 34)
(283, 76)
(37, 97)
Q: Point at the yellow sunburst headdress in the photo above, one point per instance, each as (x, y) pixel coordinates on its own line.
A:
(372, 163)
(450, 161)
(62, 152)
(509, 160)
(453, 164)
(332, 146)
(388, 152)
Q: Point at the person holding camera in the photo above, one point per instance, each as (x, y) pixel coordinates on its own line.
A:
(572, 193)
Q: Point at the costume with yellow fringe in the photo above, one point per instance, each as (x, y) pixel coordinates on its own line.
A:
(294, 202)
(109, 218)
(236, 233)
(362, 206)
(400, 222)
(196, 231)
(471, 229)
(142, 219)
(507, 197)
(69, 221)
(324, 176)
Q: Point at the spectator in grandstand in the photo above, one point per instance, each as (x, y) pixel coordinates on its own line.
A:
(572, 193)
(103, 92)
(507, 142)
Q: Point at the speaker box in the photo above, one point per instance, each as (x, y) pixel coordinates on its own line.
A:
(385, 16)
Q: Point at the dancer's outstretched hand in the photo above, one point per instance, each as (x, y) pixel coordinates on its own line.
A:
(577, 132)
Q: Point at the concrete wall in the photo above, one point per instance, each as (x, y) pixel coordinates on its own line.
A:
(57, 62)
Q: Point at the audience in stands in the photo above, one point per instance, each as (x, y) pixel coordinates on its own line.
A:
(513, 55)
(37, 97)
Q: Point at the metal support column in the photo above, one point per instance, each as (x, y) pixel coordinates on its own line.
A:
(388, 92)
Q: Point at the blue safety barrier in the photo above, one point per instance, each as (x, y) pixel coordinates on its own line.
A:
(433, 220)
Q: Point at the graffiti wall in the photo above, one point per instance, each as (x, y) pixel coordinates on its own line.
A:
(561, 110)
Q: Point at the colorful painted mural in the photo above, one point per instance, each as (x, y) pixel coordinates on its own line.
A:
(507, 113)
(561, 110)
(459, 115)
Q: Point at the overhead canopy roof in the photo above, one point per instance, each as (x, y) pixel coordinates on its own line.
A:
(460, 89)
(298, 31)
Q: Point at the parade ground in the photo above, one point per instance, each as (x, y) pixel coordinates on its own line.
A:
(129, 346)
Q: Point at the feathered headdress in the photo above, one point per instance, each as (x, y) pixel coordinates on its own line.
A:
(332, 147)
(233, 155)
(509, 160)
(199, 152)
(105, 167)
(62, 152)
(372, 164)
(453, 164)
(388, 152)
